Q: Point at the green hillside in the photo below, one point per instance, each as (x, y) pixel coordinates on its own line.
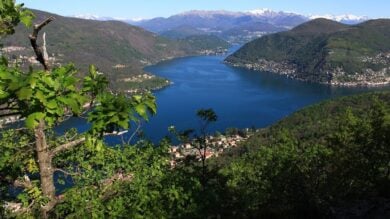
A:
(118, 49)
(323, 51)
(206, 44)
(181, 32)
(329, 160)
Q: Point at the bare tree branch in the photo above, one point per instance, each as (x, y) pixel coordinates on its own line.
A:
(23, 183)
(65, 172)
(22, 129)
(117, 177)
(134, 133)
(71, 138)
(37, 49)
(115, 133)
(44, 50)
(70, 145)
(67, 146)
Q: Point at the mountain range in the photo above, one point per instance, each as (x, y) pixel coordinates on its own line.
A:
(323, 51)
(118, 49)
(235, 27)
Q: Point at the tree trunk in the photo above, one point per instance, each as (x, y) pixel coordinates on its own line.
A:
(45, 168)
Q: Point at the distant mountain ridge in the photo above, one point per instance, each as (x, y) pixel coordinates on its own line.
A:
(265, 12)
(235, 27)
(116, 48)
(323, 51)
(345, 18)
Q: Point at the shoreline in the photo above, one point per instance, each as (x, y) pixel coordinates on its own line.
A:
(290, 74)
(171, 59)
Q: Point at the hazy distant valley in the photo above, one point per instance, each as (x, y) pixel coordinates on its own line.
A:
(234, 27)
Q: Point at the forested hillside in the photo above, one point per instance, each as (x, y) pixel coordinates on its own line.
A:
(323, 51)
(327, 160)
(118, 49)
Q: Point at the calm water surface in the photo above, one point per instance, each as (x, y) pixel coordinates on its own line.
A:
(241, 98)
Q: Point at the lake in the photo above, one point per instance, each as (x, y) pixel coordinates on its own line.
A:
(241, 98)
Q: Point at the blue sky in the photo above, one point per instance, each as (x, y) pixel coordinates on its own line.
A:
(165, 8)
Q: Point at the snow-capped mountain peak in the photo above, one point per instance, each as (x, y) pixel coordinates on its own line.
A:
(87, 16)
(204, 13)
(261, 12)
(265, 12)
(102, 18)
(341, 18)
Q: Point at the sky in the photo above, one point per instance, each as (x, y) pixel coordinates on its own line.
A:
(163, 8)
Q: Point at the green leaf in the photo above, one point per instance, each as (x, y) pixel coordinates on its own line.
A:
(141, 110)
(137, 98)
(52, 104)
(152, 106)
(92, 70)
(14, 85)
(23, 197)
(33, 119)
(99, 146)
(32, 166)
(71, 103)
(26, 18)
(124, 124)
(40, 96)
(3, 94)
(25, 93)
(114, 119)
(33, 82)
(50, 82)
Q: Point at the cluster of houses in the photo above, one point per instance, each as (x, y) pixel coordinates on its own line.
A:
(381, 58)
(139, 78)
(19, 56)
(8, 120)
(215, 145)
(217, 51)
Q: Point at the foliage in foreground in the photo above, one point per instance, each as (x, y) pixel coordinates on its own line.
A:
(314, 162)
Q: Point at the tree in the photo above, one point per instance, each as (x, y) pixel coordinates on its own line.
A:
(199, 140)
(46, 98)
(206, 117)
(10, 16)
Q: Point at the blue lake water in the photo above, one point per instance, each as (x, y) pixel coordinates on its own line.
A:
(241, 98)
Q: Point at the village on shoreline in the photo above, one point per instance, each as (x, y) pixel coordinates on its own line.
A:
(214, 146)
(334, 77)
